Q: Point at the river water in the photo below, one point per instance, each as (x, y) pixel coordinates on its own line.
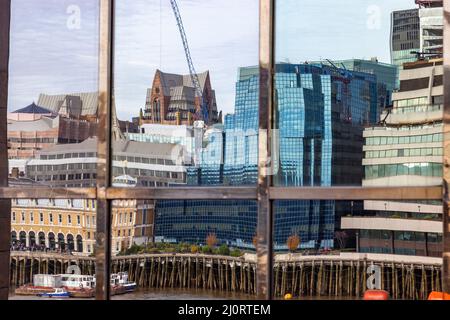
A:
(161, 294)
(181, 294)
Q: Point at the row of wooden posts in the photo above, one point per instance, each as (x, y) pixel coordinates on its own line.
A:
(315, 278)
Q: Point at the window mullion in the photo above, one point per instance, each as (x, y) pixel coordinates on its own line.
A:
(446, 199)
(264, 247)
(103, 234)
(5, 204)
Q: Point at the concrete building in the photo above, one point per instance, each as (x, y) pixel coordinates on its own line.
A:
(182, 135)
(153, 165)
(172, 100)
(26, 138)
(54, 119)
(431, 29)
(407, 150)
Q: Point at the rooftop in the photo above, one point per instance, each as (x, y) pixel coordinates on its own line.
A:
(170, 80)
(84, 104)
(120, 147)
(34, 109)
(43, 124)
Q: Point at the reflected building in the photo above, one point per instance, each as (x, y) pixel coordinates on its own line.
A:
(387, 74)
(70, 224)
(57, 119)
(416, 30)
(321, 113)
(406, 150)
(405, 36)
(172, 100)
(62, 224)
(154, 165)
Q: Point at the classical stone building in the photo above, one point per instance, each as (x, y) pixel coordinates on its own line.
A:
(60, 224)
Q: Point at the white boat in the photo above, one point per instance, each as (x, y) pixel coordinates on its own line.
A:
(77, 281)
(121, 280)
(57, 293)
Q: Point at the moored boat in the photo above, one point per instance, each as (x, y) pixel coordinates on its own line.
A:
(120, 283)
(76, 285)
(30, 290)
(79, 286)
(57, 293)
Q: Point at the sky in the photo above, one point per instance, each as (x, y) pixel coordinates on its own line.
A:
(54, 43)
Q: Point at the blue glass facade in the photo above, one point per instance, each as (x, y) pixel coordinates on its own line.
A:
(233, 222)
(320, 117)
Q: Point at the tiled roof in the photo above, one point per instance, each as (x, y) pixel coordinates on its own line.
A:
(33, 109)
(170, 80)
(89, 102)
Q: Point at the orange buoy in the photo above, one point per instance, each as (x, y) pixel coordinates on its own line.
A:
(435, 295)
(376, 295)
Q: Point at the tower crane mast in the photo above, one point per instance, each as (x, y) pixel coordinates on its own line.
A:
(201, 114)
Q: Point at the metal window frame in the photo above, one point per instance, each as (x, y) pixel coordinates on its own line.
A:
(446, 199)
(263, 192)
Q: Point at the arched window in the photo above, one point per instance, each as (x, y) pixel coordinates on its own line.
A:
(61, 243)
(70, 242)
(31, 238)
(157, 109)
(51, 240)
(13, 237)
(79, 243)
(23, 238)
(41, 239)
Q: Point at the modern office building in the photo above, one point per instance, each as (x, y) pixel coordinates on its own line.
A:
(419, 30)
(207, 170)
(172, 100)
(405, 36)
(387, 74)
(406, 150)
(321, 113)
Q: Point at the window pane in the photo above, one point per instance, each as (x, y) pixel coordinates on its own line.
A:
(206, 241)
(354, 106)
(164, 130)
(162, 139)
(53, 232)
(53, 99)
(336, 99)
(52, 123)
(322, 239)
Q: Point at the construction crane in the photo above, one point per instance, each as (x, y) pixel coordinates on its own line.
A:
(201, 114)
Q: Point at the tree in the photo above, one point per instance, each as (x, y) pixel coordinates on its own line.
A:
(293, 242)
(211, 240)
(255, 240)
(341, 237)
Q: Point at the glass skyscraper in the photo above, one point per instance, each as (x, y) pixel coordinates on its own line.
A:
(320, 114)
